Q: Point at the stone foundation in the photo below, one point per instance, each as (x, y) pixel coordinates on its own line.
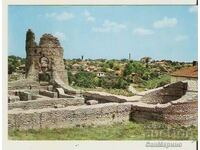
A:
(162, 104)
(165, 94)
(48, 93)
(103, 97)
(46, 103)
(69, 117)
(184, 114)
(181, 113)
(13, 98)
(23, 84)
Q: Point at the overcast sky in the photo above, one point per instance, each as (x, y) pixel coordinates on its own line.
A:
(112, 32)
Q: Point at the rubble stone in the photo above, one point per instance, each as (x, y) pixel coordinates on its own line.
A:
(91, 102)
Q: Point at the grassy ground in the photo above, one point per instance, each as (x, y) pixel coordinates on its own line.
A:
(111, 91)
(126, 131)
(149, 84)
(157, 82)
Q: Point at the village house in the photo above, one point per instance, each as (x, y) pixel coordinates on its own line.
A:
(189, 74)
(91, 69)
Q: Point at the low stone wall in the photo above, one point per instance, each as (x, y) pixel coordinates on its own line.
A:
(46, 103)
(25, 96)
(184, 114)
(48, 93)
(103, 97)
(16, 92)
(61, 93)
(165, 94)
(69, 117)
(13, 98)
(171, 104)
(192, 82)
(181, 113)
(23, 84)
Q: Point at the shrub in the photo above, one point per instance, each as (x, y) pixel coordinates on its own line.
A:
(70, 77)
(121, 84)
(13, 62)
(157, 82)
(135, 67)
(84, 79)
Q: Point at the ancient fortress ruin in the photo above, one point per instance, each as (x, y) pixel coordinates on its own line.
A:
(32, 105)
(45, 58)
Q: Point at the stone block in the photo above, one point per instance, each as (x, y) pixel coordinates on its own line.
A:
(50, 88)
(48, 93)
(13, 98)
(91, 102)
(24, 96)
(59, 106)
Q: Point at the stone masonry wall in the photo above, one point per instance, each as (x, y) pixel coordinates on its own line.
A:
(69, 117)
(48, 93)
(46, 103)
(103, 97)
(171, 104)
(22, 84)
(45, 57)
(182, 113)
(192, 82)
(166, 94)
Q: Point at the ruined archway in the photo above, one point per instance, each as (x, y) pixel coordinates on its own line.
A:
(45, 60)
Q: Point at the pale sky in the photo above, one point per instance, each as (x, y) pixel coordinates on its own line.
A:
(111, 32)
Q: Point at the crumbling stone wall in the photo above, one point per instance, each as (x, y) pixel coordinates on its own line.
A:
(22, 84)
(192, 82)
(166, 94)
(69, 117)
(46, 103)
(47, 57)
(176, 105)
(15, 76)
(182, 113)
(48, 93)
(103, 97)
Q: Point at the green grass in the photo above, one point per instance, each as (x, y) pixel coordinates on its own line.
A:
(124, 131)
(123, 92)
(157, 82)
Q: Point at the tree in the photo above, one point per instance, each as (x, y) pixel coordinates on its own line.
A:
(11, 68)
(14, 62)
(135, 67)
(121, 83)
(70, 77)
(85, 79)
(110, 64)
(116, 67)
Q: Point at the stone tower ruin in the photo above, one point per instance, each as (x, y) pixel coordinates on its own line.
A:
(45, 58)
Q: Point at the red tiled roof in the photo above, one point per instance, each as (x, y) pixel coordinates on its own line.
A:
(187, 72)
